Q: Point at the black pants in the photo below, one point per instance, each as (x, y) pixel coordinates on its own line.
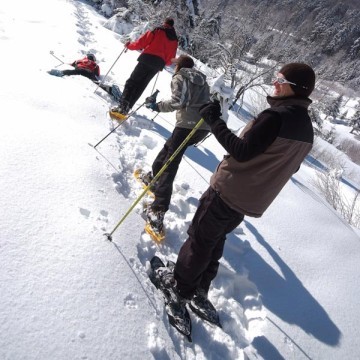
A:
(198, 260)
(82, 72)
(137, 82)
(164, 185)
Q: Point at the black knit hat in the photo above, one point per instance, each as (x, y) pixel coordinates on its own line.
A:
(183, 61)
(300, 74)
(169, 21)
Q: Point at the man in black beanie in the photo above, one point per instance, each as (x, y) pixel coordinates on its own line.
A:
(300, 77)
(260, 161)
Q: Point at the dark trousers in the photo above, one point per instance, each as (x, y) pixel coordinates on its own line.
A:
(198, 260)
(137, 82)
(164, 186)
(82, 72)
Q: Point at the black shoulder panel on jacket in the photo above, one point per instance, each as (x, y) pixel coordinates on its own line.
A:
(295, 123)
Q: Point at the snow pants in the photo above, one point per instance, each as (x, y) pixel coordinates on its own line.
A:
(137, 82)
(164, 186)
(198, 259)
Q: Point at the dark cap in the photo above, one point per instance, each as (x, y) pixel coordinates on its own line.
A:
(302, 75)
(169, 21)
(183, 61)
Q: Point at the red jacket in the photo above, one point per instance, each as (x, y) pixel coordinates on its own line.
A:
(88, 65)
(161, 42)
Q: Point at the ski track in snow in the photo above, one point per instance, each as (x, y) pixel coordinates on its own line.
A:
(238, 304)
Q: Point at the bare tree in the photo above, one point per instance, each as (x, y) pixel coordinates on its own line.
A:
(328, 182)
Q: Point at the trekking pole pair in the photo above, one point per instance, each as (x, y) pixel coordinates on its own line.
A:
(156, 177)
(102, 80)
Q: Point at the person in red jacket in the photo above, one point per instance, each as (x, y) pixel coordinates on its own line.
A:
(158, 48)
(86, 67)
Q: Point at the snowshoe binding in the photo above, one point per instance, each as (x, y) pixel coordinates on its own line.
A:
(175, 306)
(145, 179)
(155, 224)
(203, 308)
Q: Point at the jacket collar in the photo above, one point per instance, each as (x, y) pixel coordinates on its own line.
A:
(289, 101)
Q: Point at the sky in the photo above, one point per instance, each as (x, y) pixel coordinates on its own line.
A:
(287, 286)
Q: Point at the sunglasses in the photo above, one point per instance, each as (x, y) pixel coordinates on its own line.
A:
(280, 81)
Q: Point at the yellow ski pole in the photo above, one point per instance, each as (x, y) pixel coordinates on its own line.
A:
(172, 157)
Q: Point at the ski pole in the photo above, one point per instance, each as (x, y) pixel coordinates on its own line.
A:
(52, 53)
(155, 116)
(155, 81)
(102, 80)
(132, 113)
(152, 182)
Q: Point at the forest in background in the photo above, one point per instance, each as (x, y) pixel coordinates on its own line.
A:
(323, 33)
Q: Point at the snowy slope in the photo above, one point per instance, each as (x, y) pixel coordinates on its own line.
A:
(287, 287)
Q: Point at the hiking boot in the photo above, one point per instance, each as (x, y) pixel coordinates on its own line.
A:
(201, 306)
(167, 283)
(155, 219)
(123, 108)
(171, 265)
(166, 277)
(146, 178)
(56, 72)
(115, 92)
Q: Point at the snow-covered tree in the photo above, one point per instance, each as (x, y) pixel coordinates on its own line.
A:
(355, 121)
(316, 119)
(333, 107)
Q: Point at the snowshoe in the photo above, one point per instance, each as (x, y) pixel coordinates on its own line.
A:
(157, 236)
(155, 224)
(175, 306)
(56, 72)
(203, 308)
(117, 116)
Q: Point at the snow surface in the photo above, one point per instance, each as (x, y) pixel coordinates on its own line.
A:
(287, 286)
